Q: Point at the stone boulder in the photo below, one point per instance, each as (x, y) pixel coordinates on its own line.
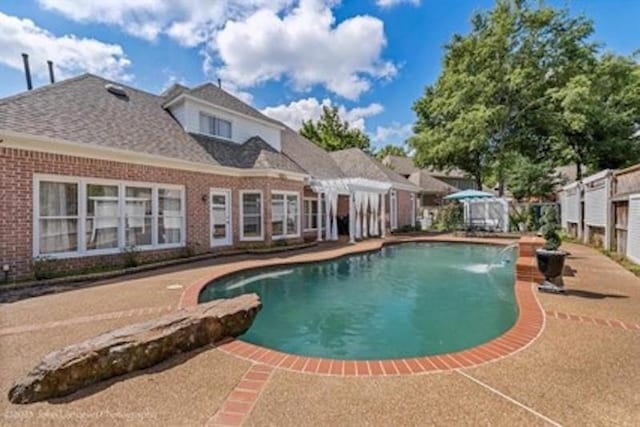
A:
(135, 347)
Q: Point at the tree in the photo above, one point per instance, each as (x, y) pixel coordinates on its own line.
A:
(332, 133)
(597, 111)
(390, 150)
(491, 97)
(527, 180)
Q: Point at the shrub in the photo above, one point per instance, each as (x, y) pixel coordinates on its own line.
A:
(280, 243)
(532, 220)
(450, 217)
(130, 257)
(44, 268)
(550, 227)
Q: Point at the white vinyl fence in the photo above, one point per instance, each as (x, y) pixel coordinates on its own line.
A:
(633, 232)
(570, 208)
(597, 192)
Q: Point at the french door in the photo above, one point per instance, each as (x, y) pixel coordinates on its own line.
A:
(393, 207)
(221, 229)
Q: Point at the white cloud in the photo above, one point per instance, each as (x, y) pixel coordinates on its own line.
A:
(172, 78)
(305, 46)
(391, 3)
(254, 41)
(190, 22)
(70, 54)
(394, 134)
(234, 90)
(295, 112)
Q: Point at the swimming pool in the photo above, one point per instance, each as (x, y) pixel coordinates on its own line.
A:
(407, 300)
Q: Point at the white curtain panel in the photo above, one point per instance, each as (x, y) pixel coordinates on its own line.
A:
(57, 234)
(104, 233)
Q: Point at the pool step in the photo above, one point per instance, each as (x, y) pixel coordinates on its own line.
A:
(527, 265)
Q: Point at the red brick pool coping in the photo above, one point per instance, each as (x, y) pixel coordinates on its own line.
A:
(527, 328)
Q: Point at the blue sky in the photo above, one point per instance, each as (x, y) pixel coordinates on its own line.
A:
(371, 58)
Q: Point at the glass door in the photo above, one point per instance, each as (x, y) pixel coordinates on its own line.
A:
(221, 231)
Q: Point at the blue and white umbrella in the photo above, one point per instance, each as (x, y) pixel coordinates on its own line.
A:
(468, 194)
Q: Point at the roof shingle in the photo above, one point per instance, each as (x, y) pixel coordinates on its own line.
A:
(81, 110)
(355, 163)
(429, 184)
(309, 156)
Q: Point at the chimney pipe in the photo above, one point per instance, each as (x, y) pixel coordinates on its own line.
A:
(220, 83)
(52, 77)
(27, 71)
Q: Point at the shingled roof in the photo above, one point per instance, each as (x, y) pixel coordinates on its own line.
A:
(405, 166)
(355, 163)
(211, 93)
(255, 153)
(81, 110)
(309, 156)
(430, 185)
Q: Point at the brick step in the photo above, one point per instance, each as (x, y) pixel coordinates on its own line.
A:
(528, 244)
(527, 269)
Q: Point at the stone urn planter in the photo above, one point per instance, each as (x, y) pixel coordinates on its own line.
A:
(550, 258)
(551, 264)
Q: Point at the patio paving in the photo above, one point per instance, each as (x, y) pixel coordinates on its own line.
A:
(576, 373)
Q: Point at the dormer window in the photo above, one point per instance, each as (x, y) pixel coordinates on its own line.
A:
(214, 126)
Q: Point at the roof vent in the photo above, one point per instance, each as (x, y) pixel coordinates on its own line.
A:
(115, 89)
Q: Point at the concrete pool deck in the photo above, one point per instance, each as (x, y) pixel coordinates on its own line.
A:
(583, 369)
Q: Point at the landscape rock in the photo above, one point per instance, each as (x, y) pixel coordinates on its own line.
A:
(135, 347)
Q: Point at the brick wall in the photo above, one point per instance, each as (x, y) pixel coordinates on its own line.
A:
(17, 168)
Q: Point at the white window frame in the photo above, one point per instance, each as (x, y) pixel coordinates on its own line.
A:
(82, 183)
(215, 117)
(262, 222)
(286, 214)
(308, 214)
(229, 207)
(393, 210)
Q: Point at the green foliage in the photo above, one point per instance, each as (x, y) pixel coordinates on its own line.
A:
(280, 243)
(450, 218)
(390, 150)
(44, 268)
(531, 219)
(130, 257)
(528, 79)
(550, 227)
(595, 110)
(517, 219)
(526, 179)
(408, 228)
(332, 133)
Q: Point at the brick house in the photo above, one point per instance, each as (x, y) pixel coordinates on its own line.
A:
(89, 168)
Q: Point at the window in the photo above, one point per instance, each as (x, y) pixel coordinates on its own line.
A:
(277, 215)
(311, 214)
(284, 215)
(251, 215)
(215, 126)
(139, 216)
(103, 216)
(58, 217)
(78, 216)
(170, 216)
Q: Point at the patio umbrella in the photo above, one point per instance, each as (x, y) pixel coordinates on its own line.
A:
(468, 194)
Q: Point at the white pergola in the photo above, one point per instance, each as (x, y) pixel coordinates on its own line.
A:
(366, 206)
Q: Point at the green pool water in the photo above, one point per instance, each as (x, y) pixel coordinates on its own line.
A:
(406, 300)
